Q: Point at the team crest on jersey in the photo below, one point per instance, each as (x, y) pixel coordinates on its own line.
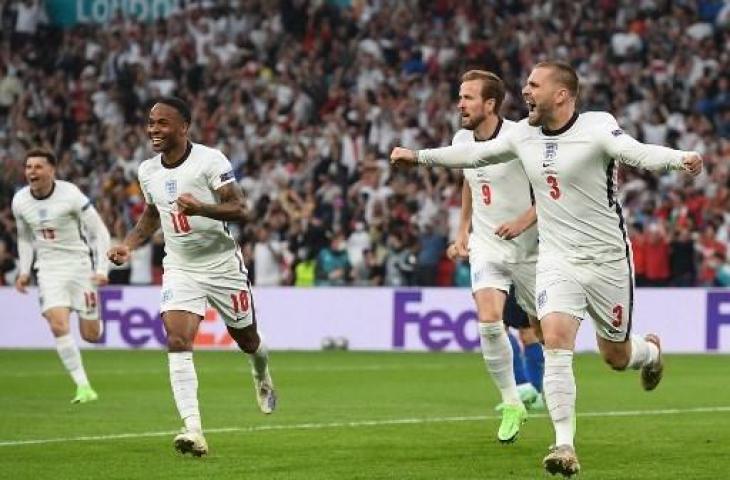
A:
(542, 299)
(551, 151)
(166, 295)
(42, 213)
(171, 188)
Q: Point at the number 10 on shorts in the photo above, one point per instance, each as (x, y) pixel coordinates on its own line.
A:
(240, 301)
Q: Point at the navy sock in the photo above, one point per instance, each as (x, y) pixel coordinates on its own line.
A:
(518, 362)
(535, 363)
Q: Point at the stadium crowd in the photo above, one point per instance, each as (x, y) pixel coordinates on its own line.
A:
(306, 98)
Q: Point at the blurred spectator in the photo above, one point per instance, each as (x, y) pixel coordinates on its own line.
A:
(333, 265)
(657, 257)
(308, 98)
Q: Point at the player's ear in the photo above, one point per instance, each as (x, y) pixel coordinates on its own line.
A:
(490, 103)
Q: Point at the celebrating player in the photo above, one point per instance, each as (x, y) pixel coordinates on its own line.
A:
(190, 191)
(584, 263)
(502, 248)
(54, 220)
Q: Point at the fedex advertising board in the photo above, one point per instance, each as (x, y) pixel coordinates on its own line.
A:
(435, 319)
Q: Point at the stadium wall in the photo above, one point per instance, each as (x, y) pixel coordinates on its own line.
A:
(689, 320)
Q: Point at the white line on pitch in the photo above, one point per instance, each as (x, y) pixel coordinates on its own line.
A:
(203, 369)
(355, 424)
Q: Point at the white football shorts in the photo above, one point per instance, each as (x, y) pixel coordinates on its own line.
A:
(71, 289)
(486, 273)
(227, 291)
(604, 291)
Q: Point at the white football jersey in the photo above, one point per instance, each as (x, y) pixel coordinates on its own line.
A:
(499, 194)
(53, 227)
(573, 176)
(194, 243)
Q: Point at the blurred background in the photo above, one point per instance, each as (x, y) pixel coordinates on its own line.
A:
(306, 98)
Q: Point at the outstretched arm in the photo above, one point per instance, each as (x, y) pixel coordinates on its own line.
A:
(462, 155)
(232, 206)
(626, 149)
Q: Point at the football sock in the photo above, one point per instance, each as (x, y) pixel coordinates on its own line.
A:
(184, 383)
(642, 353)
(559, 385)
(535, 363)
(70, 356)
(498, 360)
(259, 361)
(518, 362)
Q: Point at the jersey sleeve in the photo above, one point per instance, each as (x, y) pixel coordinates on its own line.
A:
(624, 148)
(470, 155)
(25, 241)
(219, 172)
(79, 200)
(143, 185)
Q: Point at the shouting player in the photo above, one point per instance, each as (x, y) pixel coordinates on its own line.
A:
(584, 262)
(58, 223)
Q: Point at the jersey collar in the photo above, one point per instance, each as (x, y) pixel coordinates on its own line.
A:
(494, 134)
(182, 159)
(563, 129)
(50, 192)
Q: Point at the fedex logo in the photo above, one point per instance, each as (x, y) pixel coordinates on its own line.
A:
(436, 329)
(135, 326)
(718, 315)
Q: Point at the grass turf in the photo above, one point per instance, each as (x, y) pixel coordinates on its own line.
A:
(352, 415)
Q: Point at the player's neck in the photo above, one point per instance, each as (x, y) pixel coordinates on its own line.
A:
(43, 191)
(176, 155)
(488, 129)
(560, 119)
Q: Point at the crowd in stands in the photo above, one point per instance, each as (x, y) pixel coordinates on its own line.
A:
(307, 97)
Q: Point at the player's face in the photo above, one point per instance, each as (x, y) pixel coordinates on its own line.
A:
(472, 107)
(539, 93)
(166, 128)
(39, 173)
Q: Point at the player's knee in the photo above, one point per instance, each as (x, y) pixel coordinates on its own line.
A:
(178, 343)
(616, 361)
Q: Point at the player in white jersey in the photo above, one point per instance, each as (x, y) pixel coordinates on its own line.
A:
(502, 248)
(584, 264)
(190, 192)
(54, 220)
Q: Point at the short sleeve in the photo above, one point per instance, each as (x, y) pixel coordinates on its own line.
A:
(220, 171)
(79, 200)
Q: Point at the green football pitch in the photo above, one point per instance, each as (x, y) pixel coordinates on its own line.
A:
(352, 415)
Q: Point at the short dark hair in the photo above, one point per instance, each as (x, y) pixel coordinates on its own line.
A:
(564, 74)
(178, 104)
(41, 152)
(492, 86)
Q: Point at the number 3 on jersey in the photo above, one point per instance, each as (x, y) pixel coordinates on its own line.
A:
(486, 194)
(552, 180)
(180, 222)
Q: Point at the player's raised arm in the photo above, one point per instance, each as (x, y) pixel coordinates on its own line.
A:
(624, 148)
(463, 155)
(99, 235)
(148, 224)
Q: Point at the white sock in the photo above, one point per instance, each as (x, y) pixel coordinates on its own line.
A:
(559, 389)
(259, 361)
(71, 359)
(184, 383)
(642, 353)
(497, 354)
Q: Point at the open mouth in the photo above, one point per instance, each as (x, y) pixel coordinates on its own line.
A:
(531, 106)
(157, 141)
